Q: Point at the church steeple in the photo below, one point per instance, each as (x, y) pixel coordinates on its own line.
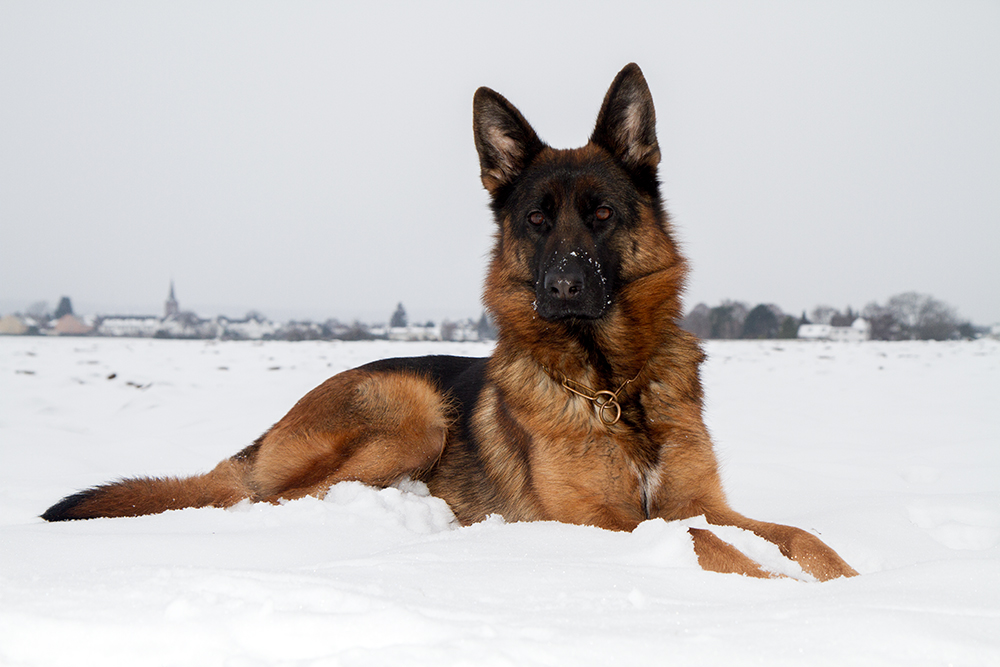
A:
(171, 308)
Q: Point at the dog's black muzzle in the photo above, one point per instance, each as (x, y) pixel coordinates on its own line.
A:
(572, 285)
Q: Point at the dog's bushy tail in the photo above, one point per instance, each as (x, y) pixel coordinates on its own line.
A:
(224, 486)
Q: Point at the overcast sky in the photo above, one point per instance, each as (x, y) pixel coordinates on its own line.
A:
(316, 159)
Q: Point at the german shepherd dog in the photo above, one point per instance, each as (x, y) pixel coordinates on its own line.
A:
(589, 411)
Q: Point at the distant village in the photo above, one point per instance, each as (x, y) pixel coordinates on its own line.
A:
(907, 316)
(177, 323)
(904, 316)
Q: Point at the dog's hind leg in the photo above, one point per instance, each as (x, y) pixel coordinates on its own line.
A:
(360, 425)
(371, 427)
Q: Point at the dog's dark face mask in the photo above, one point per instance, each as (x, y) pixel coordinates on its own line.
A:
(565, 213)
(574, 273)
(565, 207)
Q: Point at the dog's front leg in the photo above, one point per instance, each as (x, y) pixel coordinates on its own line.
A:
(715, 555)
(806, 549)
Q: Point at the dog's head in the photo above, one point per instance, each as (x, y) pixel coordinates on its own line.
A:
(576, 227)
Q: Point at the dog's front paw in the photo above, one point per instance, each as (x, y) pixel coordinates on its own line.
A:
(816, 558)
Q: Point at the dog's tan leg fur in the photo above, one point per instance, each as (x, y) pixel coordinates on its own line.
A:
(806, 549)
(716, 555)
(361, 426)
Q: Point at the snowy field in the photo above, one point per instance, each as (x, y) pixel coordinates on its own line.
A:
(889, 451)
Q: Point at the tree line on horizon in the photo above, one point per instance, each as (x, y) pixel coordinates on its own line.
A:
(905, 316)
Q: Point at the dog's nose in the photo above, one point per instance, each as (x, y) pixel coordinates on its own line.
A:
(562, 285)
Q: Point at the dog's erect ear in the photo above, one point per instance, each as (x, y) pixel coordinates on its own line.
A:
(626, 125)
(505, 141)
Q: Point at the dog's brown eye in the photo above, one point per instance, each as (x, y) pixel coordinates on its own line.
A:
(602, 213)
(536, 218)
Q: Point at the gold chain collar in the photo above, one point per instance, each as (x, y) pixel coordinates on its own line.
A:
(609, 410)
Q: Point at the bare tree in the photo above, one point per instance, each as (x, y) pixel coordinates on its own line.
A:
(844, 319)
(697, 321)
(727, 319)
(921, 316)
(823, 314)
(905, 308)
(39, 310)
(938, 321)
(883, 323)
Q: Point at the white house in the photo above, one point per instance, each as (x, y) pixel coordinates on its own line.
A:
(415, 332)
(129, 325)
(465, 330)
(859, 330)
(252, 328)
